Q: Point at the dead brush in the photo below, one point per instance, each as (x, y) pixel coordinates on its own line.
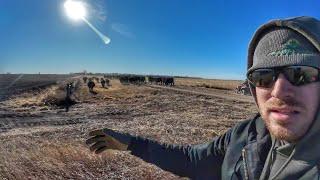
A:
(57, 96)
(30, 98)
(54, 97)
(34, 156)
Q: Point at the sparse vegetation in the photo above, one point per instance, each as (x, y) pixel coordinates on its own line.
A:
(39, 143)
(208, 83)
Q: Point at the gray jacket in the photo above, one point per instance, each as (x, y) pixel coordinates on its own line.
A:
(238, 154)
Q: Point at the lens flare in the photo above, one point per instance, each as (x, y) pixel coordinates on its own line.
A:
(104, 38)
(75, 9)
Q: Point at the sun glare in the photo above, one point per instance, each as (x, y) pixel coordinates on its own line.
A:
(75, 9)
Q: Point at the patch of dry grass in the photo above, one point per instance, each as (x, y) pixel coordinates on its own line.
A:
(46, 98)
(54, 96)
(35, 98)
(208, 83)
(39, 156)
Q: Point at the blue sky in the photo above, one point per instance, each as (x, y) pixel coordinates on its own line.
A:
(169, 37)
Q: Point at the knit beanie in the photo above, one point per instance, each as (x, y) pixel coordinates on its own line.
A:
(294, 41)
(283, 47)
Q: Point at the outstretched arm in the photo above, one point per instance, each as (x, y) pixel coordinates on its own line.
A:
(198, 161)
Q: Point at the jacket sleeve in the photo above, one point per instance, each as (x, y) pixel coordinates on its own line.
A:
(202, 161)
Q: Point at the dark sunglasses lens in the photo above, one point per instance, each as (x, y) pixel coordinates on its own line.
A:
(262, 77)
(301, 75)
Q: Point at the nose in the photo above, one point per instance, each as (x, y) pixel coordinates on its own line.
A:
(282, 88)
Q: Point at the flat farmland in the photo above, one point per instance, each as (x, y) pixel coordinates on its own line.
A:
(208, 83)
(41, 141)
(14, 83)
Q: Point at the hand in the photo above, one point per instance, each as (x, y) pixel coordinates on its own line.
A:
(108, 139)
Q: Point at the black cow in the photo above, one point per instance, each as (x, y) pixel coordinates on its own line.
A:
(68, 101)
(168, 81)
(85, 79)
(161, 80)
(91, 85)
(132, 79)
(103, 82)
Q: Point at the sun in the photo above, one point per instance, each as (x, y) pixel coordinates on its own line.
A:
(75, 9)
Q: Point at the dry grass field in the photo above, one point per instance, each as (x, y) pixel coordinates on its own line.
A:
(208, 83)
(41, 141)
(11, 84)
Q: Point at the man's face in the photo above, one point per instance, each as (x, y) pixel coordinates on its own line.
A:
(288, 110)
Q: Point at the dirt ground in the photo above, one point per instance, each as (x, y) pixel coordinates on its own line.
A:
(41, 141)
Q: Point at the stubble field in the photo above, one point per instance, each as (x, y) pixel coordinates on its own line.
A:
(41, 141)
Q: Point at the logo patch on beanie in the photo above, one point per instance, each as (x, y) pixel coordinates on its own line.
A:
(291, 47)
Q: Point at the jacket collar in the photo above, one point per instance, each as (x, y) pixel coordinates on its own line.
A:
(304, 156)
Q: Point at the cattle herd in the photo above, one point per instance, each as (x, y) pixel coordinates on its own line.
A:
(134, 79)
(129, 79)
(138, 79)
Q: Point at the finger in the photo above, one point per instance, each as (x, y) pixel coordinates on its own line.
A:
(95, 139)
(96, 132)
(98, 145)
(121, 137)
(101, 149)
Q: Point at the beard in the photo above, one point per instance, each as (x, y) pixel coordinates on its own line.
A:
(283, 131)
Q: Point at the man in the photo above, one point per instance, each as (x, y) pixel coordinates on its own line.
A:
(281, 142)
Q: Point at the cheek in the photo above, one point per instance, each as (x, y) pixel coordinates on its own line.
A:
(262, 96)
(311, 97)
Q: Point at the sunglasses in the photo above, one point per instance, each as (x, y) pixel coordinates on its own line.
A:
(296, 75)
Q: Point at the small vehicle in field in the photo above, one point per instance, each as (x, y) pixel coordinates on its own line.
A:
(243, 88)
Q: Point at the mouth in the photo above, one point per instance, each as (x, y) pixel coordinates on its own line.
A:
(283, 115)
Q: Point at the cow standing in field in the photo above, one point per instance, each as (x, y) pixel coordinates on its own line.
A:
(161, 80)
(107, 82)
(85, 79)
(155, 80)
(132, 79)
(158, 80)
(91, 85)
(68, 100)
(168, 81)
(124, 79)
(103, 82)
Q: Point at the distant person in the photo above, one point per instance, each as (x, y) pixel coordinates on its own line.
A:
(91, 85)
(281, 142)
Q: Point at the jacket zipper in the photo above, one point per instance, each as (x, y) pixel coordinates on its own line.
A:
(244, 157)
